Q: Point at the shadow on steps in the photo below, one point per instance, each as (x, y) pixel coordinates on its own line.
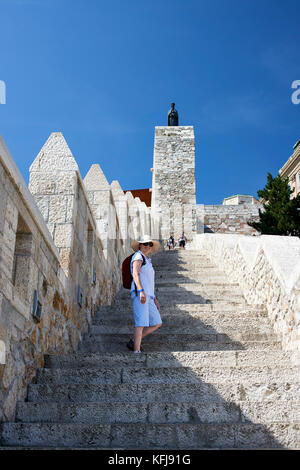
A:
(230, 396)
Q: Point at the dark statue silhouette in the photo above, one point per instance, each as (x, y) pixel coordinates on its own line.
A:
(173, 116)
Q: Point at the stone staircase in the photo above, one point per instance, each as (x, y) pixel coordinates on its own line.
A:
(213, 376)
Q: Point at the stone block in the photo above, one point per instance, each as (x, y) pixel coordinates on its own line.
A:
(43, 204)
(2, 174)
(47, 187)
(57, 209)
(67, 184)
(63, 235)
(3, 201)
(65, 255)
(51, 228)
(102, 197)
(34, 182)
(3, 341)
(9, 234)
(6, 260)
(10, 401)
(70, 434)
(90, 196)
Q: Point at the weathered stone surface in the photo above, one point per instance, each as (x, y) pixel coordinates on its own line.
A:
(37, 434)
(173, 180)
(63, 235)
(190, 399)
(30, 263)
(54, 156)
(229, 219)
(267, 269)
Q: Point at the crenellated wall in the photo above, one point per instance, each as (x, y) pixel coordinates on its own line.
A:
(62, 242)
(267, 267)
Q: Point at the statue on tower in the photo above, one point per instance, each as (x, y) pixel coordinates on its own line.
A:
(173, 116)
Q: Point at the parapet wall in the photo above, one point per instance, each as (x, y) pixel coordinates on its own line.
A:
(268, 270)
(227, 218)
(61, 248)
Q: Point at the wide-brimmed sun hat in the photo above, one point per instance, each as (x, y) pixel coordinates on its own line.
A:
(135, 244)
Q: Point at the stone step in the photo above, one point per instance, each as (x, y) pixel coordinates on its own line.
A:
(161, 346)
(164, 375)
(154, 392)
(202, 296)
(203, 321)
(187, 274)
(251, 330)
(205, 359)
(185, 340)
(198, 286)
(151, 436)
(165, 258)
(180, 262)
(286, 412)
(190, 301)
(176, 336)
(161, 281)
(180, 254)
(198, 294)
(181, 271)
(212, 275)
(183, 282)
(188, 267)
(214, 310)
(185, 265)
(189, 335)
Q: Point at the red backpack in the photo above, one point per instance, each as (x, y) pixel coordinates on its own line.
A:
(126, 273)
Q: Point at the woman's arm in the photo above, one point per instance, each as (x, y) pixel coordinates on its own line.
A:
(136, 266)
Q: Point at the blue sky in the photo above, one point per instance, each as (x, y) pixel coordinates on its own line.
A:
(105, 72)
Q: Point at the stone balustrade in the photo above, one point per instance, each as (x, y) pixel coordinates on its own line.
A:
(267, 268)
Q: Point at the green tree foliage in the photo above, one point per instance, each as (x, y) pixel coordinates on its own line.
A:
(281, 215)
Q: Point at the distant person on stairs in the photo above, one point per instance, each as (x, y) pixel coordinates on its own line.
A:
(182, 241)
(171, 243)
(145, 305)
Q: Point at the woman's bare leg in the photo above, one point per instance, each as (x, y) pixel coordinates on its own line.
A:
(137, 337)
(149, 329)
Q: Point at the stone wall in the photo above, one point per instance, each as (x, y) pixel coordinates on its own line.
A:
(268, 270)
(227, 218)
(174, 191)
(61, 248)
(239, 199)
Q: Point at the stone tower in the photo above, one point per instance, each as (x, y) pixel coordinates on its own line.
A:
(173, 180)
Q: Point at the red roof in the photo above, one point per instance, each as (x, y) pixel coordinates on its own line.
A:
(143, 194)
